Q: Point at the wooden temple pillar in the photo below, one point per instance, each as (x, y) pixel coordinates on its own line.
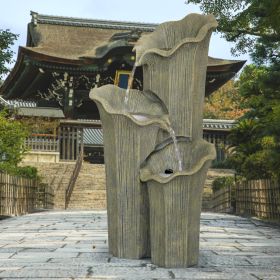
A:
(68, 96)
(71, 142)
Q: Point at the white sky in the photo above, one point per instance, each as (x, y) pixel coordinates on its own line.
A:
(15, 15)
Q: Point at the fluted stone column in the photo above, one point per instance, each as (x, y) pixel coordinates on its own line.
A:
(129, 133)
(174, 59)
(175, 200)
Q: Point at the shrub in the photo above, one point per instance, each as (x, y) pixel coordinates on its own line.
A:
(12, 137)
(29, 172)
(225, 164)
(222, 182)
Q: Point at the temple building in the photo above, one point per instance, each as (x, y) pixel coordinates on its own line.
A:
(64, 58)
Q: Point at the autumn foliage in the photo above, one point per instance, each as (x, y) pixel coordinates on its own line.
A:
(225, 103)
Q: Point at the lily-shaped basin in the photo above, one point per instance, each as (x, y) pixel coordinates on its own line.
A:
(170, 36)
(129, 131)
(175, 200)
(142, 107)
(174, 59)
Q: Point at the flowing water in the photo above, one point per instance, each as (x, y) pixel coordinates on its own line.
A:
(129, 85)
(177, 152)
(139, 117)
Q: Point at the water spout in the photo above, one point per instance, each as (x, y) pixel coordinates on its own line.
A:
(129, 84)
(177, 152)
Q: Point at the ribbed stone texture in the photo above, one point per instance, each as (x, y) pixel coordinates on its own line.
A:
(175, 200)
(174, 59)
(127, 142)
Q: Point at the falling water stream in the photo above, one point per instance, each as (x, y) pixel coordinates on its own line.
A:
(129, 85)
(177, 152)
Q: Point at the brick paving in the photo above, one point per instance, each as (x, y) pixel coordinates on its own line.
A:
(73, 245)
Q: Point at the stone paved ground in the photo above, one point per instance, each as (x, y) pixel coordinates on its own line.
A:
(73, 245)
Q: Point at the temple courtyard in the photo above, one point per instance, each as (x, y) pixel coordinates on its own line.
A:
(73, 245)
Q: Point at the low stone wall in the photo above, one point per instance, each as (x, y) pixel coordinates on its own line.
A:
(212, 174)
(41, 156)
(223, 200)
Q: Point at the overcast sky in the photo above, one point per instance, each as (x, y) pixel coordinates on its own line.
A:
(15, 15)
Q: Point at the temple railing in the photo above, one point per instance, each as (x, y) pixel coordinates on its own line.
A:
(73, 178)
(42, 142)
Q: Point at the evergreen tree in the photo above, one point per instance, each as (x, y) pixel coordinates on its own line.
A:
(254, 25)
(7, 39)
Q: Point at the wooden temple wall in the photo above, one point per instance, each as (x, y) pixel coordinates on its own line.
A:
(70, 142)
(220, 142)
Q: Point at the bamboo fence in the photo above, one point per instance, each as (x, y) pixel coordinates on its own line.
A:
(259, 198)
(19, 195)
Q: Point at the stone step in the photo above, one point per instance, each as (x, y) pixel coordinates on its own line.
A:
(86, 192)
(95, 205)
(90, 188)
(84, 200)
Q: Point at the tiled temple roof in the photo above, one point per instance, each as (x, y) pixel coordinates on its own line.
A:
(96, 23)
(93, 136)
(18, 103)
(75, 38)
(212, 124)
(81, 45)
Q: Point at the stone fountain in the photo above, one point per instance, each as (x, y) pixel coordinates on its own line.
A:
(153, 197)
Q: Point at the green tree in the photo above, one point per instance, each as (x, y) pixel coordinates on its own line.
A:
(7, 39)
(257, 138)
(12, 137)
(253, 25)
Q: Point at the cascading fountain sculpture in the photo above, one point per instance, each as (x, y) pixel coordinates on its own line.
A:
(155, 182)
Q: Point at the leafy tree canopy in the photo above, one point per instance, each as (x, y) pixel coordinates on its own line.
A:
(225, 103)
(256, 139)
(7, 39)
(12, 137)
(254, 25)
